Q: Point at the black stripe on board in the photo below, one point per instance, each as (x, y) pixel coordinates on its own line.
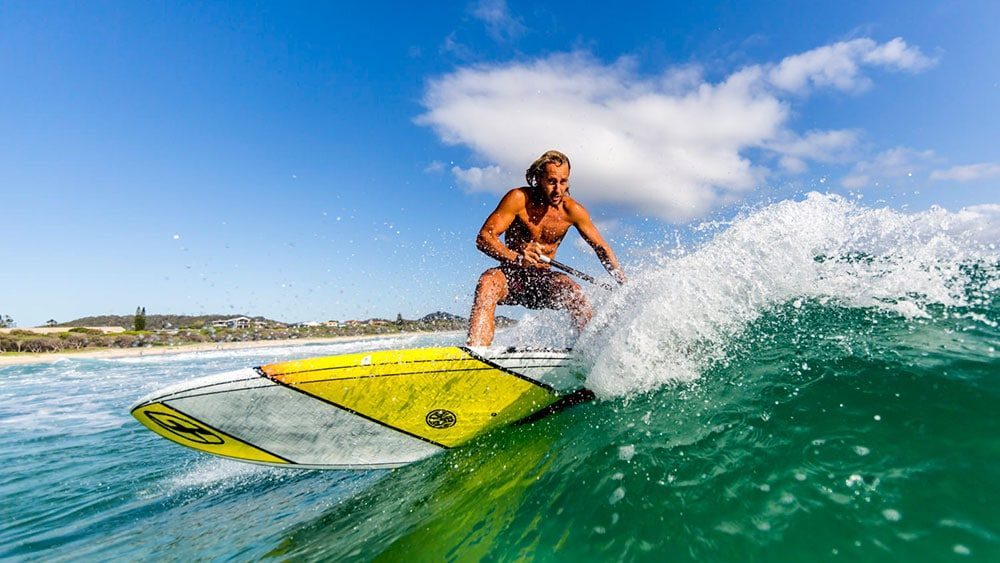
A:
(174, 394)
(462, 348)
(577, 397)
(178, 396)
(499, 367)
(354, 412)
(375, 375)
(228, 435)
(260, 368)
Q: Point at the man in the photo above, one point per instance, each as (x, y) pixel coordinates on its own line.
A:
(534, 219)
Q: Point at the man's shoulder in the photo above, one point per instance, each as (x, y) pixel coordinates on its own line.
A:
(521, 192)
(575, 210)
(517, 197)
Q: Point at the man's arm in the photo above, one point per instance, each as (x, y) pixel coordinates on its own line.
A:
(581, 220)
(488, 240)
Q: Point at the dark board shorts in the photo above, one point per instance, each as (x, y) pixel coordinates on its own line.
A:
(533, 288)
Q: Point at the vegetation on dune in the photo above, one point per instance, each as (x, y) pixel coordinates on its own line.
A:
(200, 330)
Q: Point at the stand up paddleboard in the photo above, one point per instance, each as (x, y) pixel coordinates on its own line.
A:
(362, 411)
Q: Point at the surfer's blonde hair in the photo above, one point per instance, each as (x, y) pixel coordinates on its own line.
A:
(537, 167)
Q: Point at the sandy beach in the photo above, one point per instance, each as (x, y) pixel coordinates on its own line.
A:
(48, 357)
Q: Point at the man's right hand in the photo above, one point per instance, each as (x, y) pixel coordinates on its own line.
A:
(532, 253)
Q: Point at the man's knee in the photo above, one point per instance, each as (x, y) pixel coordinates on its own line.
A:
(492, 285)
(569, 289)
(568, 294)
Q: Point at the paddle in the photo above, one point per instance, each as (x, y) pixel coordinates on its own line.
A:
(575, 272)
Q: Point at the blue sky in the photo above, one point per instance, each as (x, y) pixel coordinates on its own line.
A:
(312, 161)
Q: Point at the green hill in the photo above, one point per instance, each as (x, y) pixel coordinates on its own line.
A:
(156, 322)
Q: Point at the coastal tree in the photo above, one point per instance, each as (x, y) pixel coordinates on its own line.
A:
(139, 321)
(51, 322)
(7, 322)
(74, 340)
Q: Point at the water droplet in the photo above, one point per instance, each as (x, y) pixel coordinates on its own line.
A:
(891, 514)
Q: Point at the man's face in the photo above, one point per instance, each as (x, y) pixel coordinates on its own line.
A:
(555, 183)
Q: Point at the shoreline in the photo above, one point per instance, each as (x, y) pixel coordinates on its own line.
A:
(113, 353)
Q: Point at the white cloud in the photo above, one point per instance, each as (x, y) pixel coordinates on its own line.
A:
(838, 66)
(793, 165)
(501, 25)
(481, 179)
(672, 145)
(820, 146)
(968, 173)
(434, 167)
(898, 162)
(897, 54)
(452, 46)
(856, 181)
(825, 146)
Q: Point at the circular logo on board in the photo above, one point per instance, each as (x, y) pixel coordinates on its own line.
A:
(440, 418)
(187, 429)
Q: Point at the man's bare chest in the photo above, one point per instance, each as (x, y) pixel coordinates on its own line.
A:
(546, 228)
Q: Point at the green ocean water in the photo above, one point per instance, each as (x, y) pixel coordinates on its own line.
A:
(834, 398)
(804, 445)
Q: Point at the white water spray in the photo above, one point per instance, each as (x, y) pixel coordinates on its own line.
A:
(670, 322)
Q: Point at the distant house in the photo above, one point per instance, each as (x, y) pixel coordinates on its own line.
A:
(333, 324)
(238, 322)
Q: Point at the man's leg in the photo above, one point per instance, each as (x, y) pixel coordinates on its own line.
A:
(569, 296)
(491, 290)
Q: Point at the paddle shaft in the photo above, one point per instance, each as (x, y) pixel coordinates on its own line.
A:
(575, 272)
